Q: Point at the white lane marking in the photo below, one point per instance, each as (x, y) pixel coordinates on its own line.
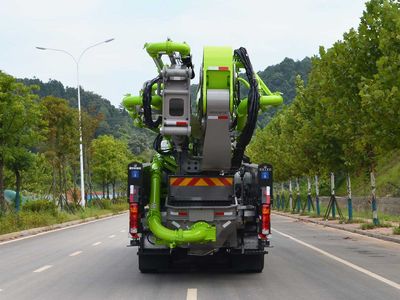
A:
(1, 290)
(97, 243)
(123, 230)
(58, 229)
(75, 253)
(191, 294)
(112, 236)
(44, 268)
(345, 262)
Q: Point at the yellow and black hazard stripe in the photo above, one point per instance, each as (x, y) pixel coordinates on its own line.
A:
(201, 181)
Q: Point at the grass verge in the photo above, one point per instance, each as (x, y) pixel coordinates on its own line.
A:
(366, 226)
(25, 219)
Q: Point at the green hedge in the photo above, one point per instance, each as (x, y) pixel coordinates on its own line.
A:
(40, 206)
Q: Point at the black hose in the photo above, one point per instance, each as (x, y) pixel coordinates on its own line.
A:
(233, 124)
(157, 145)
(147, 113)
(253, 106)
(187, 61)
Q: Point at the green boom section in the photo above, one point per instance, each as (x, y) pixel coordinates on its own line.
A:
(157, 50)
(168, 47)
(273, 100)
(200, 232)
(133, 103)
(130, 102)
(267, 98)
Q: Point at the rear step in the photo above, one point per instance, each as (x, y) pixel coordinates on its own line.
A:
(178, 261)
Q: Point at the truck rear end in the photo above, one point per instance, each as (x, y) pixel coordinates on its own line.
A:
(200, 202)
(236, 207)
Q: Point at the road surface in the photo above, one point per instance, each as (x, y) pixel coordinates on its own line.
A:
(92, 262)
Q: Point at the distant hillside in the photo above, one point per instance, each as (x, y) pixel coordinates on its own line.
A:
(281, 77)
(116, 122)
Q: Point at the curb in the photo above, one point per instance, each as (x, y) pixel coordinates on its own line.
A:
(37, 230)
(337, 226)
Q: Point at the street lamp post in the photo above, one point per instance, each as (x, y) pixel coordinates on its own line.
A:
(77, 61)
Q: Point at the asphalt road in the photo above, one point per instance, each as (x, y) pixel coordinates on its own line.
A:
(92, 262)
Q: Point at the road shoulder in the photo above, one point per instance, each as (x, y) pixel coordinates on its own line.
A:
(41, 230)
(345, 227)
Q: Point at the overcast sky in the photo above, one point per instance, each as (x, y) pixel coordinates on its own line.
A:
(270, 30)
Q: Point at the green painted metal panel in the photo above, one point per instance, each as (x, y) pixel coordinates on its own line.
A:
(214, 78)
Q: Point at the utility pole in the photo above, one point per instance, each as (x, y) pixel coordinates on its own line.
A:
(77, 61)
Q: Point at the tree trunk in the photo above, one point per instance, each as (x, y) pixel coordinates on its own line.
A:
(54, 185)
(75, 194)
(309, 197)
(113, 190)
(373, 196)
(298, 200)
(290, 195)
(104, 189)
(317, 195)
(65, 188)
(283, 196)
(2, 199)
(89, 178)
(60, 202)
(333, 194)
(108, 190)
(349, 201)
(17, 190)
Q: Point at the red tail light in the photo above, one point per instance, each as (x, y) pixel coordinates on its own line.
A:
(265, 220)
(134, 220)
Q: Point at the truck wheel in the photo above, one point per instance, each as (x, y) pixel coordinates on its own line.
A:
(251, 263)
(153, 263)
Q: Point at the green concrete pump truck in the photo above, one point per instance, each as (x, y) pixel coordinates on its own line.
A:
(200, 201)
